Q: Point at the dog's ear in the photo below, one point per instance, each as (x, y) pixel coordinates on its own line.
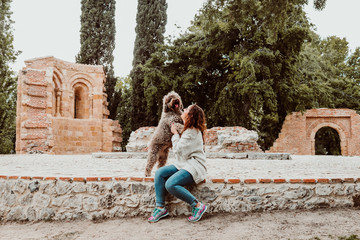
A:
(165, 106)
(181, 105)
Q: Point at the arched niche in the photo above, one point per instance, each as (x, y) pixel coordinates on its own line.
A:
(81, 101)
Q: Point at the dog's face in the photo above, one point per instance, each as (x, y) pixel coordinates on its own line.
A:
(172, 102)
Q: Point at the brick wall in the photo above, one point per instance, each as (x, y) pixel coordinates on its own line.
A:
(298, 132)
(62, 109)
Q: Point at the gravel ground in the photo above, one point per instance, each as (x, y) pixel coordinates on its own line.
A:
(320, 224)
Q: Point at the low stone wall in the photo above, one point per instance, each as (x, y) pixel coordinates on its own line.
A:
(61, 198)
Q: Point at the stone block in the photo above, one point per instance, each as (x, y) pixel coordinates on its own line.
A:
(31, 214)
(41, 200)
(323, 190)
(62, 187)
(26, 200)
(16, 214)
(90, 204)
(47, 214)
(10, 200)
(79, 188)
(72, 202)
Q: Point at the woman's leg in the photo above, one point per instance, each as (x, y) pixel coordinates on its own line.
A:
(161, 175)
(175, 185)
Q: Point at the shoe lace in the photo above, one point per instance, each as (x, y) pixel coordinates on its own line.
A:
(195, 210)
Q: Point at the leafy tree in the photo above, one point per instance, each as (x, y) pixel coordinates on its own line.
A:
(98, 42)
(239, 61)
(340, 70)
(353, 66)
(123, 86)
(150, 28)
(7, 80)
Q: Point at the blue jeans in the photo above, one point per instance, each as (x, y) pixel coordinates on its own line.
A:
(173, 180)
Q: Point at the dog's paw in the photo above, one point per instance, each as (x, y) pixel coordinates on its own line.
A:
(147, 174)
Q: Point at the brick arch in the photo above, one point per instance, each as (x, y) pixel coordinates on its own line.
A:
(79, 79)
(339, 130)
(83, 78)
(320, 121)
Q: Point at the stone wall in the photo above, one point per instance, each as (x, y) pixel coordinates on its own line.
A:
(298, 132)
(139, 139)
(25, 198)
(218, 139)
(231, 139)
(62, 109)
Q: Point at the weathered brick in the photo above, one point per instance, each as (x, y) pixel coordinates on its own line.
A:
(336, 180)
(264, 180)
(49, 178)
(136, 179)
(309, 180)
(105, 179)
(218, 180)
(233, 180)
(149, 179)
(279, 180)
(92, 179)
(37, 178)
(295, 181)
(65, 178)
(121, 178)
(249, 181)
(349, 180)
(323, 180)
(79, 179)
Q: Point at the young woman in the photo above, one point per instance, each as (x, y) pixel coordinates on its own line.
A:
(188, 168)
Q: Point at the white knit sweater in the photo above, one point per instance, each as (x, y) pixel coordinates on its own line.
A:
(189, 153)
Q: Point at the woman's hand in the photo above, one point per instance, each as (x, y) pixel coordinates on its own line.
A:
(173, 129)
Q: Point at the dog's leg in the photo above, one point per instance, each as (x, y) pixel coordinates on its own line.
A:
(163, 156)
(151, 159)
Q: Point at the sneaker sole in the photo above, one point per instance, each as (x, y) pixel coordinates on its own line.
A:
(162, 216)
(199, 216)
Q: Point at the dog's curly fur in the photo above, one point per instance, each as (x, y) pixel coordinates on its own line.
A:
(160, 143)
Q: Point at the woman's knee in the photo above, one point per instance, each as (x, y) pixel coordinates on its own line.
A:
(160, 172)
(170, 186)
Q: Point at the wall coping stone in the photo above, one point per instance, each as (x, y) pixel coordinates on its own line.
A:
(246, 155)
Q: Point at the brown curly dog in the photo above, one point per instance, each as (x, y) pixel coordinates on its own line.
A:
(160, 143)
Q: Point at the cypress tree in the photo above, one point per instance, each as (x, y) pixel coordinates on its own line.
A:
(150, 28)
(97, 38)
(7, 80)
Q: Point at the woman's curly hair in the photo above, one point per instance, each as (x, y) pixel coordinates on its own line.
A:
(195, 119)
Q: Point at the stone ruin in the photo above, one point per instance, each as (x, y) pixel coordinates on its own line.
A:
(298, 132)
(62, 109)
(218, 139)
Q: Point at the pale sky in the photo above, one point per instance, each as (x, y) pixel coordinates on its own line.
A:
(51, 27)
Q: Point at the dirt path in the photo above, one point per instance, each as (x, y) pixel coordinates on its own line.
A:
(319, 224)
